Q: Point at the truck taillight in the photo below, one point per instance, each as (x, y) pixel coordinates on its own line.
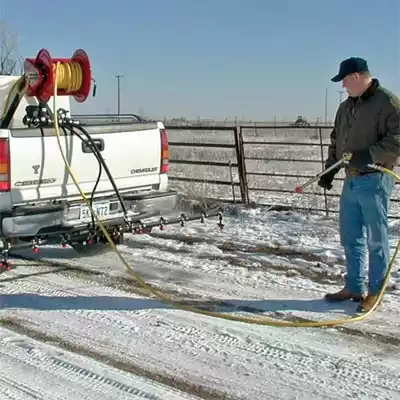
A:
(164, 151)
(5, 182)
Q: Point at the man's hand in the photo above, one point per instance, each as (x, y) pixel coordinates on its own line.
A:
(326, 180)
(360, 159)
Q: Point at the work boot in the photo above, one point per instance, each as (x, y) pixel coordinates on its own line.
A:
(367, 303)
(343, 295)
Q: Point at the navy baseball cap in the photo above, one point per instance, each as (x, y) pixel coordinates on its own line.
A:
(350, 66)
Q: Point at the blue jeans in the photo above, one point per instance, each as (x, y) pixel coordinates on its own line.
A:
(364, 207)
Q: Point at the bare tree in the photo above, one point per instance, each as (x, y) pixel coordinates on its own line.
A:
(10, 61)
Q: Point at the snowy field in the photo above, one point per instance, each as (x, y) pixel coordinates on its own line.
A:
(78, 326)
(290, 149)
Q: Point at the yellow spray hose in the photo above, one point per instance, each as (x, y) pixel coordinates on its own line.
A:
(162, 296)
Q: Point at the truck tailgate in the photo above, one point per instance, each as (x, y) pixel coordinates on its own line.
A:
(131, 151)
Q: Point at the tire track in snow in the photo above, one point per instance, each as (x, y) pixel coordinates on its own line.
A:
(11, 389)
(61, 367)
(312, 364)
(300, 364)
(210, 303)
(293, 364)
(39, 292)
(100, 322)
(49, 360)
(65, 369)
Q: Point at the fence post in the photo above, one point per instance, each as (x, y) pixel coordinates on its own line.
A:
(232, 182)
(241, 164)
(323, 167)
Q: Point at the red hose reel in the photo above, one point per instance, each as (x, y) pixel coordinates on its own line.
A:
(40, 73)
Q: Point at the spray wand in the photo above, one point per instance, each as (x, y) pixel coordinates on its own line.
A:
(346, 158)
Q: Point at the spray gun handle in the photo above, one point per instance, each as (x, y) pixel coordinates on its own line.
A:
(345, 159)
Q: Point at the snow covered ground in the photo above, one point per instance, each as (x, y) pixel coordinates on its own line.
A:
(77, 326)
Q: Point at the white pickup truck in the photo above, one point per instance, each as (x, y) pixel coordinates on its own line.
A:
(39, 201)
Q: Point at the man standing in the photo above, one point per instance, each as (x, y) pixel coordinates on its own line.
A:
(367, 124)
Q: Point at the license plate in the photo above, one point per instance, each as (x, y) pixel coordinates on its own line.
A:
(102, 210)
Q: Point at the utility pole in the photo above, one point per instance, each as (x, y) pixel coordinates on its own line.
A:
(326, 106)
(119, 77)
(340, 95)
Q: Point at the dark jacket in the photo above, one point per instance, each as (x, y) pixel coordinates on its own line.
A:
(371, 121)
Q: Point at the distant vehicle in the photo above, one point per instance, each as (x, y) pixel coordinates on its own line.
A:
(301, 122)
